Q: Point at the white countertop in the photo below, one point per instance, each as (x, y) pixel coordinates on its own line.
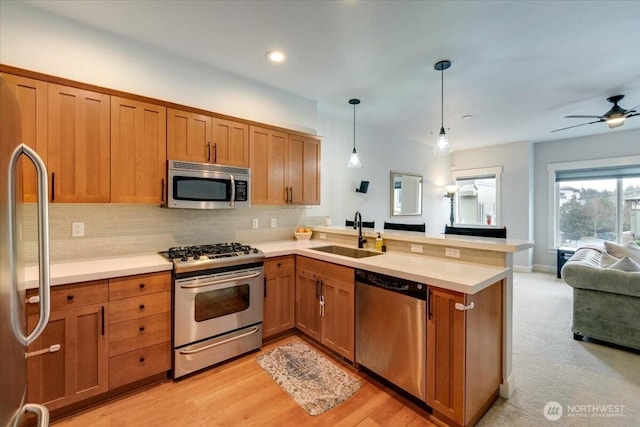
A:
(471, 242)
(98, 268)
(457, 276)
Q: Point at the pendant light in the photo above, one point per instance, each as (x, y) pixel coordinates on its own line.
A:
(442, 144)
(354, 160)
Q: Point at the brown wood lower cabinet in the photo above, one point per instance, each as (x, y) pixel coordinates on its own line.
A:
(140, 327)
(69, 361)
(85, 352)
(464, 352)
(279, 303)
(325, 304)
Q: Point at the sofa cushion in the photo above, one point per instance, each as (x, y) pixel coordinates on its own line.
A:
(608, 260)
(625, 264)
(631, 249)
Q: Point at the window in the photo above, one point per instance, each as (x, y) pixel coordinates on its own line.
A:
(594, 202)
(478, 197)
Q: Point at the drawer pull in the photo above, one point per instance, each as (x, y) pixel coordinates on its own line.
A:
(141, 285)
(463, 307)
(141, 359)
(52, 349)
(141, 306)
(141, 328)
(69, 297)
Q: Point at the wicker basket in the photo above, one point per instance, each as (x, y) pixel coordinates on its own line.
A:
(303, 236)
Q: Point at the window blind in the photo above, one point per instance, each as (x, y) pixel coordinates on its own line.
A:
(630, 171)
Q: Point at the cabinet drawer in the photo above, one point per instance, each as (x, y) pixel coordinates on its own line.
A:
(137, 307)
(324, 269)
(280, 266)
(143, 284)
(72, 296)
(139, 333)
(139, 364)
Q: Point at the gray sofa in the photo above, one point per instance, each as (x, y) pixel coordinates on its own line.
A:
(606, 301)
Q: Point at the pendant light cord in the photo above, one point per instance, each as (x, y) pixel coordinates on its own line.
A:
(354, 127)
(442, 99)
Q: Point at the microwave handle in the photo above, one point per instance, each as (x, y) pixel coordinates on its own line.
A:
(233, 191)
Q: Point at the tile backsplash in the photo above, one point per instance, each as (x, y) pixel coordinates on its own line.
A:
(125, 229)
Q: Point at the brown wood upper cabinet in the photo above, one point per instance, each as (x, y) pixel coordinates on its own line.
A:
(285, 168)
(199, 138)
(78, 145)
(138, 151)
(32, 100)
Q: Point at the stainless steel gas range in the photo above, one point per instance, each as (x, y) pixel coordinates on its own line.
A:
(218, 303)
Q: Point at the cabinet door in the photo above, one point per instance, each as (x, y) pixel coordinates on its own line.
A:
(267, 160)
(188, 136)
(138, 151)
(79, 369)
(446, 354)
(308, 304)
(230, 143)
(279, 301)
(303, 170)
(78, 145)
(32, 100)
(338, 332)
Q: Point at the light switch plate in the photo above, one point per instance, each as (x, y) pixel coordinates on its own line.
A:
(454, 253)
(417, 249)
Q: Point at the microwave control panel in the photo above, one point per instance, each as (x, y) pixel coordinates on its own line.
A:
(241, 191)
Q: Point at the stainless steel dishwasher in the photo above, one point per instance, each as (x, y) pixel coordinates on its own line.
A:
(391, 329)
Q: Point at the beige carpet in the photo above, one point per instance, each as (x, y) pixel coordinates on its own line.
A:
(594, 384)
(315, 383)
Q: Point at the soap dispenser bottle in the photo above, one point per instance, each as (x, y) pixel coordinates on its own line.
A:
(379, 243)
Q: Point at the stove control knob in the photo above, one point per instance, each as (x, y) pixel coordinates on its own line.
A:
(255, 250)
(196, 257)
(184, 258)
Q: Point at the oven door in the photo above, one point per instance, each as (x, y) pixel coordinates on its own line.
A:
(210, 305)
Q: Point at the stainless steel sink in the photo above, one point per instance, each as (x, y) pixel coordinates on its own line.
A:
(350, 252)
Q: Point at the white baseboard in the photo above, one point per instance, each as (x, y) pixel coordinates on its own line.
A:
(522, 269)
(545, 268)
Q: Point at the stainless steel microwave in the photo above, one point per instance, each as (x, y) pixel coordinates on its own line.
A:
(207, 186)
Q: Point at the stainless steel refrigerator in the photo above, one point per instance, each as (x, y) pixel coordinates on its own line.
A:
(13, 334)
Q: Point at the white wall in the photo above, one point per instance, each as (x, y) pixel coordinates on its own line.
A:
(516, 213)
(617, 143)
(33, 40)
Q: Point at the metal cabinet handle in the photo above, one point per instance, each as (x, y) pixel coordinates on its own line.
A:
(70, 297)
(141, 359)
(162, 192)
(141, 328)
(141, 306)
(41, 412)
(50, 349)
(463, 307)
(209, 151)
(102, 317)
(141, 285)
(207, 347)
(430, 303)
(265, 287)
(215, 153)
(43, 244)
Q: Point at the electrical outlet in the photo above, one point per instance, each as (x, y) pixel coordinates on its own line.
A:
(77, 229)
(322, 236)
(454, 253)
(416, 248)
(254, 223)
(274, 223)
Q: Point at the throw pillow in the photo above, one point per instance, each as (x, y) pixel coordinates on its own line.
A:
(620, 251)
(608, 260)
(626, 264)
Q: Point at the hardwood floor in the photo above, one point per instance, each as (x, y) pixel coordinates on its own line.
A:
(240, 393)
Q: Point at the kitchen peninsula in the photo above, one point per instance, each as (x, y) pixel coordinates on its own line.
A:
(482, 274)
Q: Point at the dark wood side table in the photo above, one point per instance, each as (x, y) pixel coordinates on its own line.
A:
(563, 255)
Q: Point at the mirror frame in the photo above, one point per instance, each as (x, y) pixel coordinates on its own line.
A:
(392, 175)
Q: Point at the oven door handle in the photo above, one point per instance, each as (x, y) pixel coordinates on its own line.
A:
(217, 282)
(215, 344)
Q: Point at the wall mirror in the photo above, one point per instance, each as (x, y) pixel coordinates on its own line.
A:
(406, 194)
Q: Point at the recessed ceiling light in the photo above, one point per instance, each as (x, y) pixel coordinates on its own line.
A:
(275, 56)
(468, 116)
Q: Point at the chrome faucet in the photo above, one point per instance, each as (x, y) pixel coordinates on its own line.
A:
(357, 223)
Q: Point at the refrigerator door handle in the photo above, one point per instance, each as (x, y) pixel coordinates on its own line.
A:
(43, 243)
(41, 411)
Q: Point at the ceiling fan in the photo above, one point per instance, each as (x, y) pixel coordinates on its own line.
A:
(614, 117)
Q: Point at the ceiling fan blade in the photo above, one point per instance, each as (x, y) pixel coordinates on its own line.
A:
(575, 126)
(583, 117)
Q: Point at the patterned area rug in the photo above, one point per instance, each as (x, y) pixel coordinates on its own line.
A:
(315, 383)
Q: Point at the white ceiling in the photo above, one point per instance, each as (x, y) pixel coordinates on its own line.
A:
(518, 67)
